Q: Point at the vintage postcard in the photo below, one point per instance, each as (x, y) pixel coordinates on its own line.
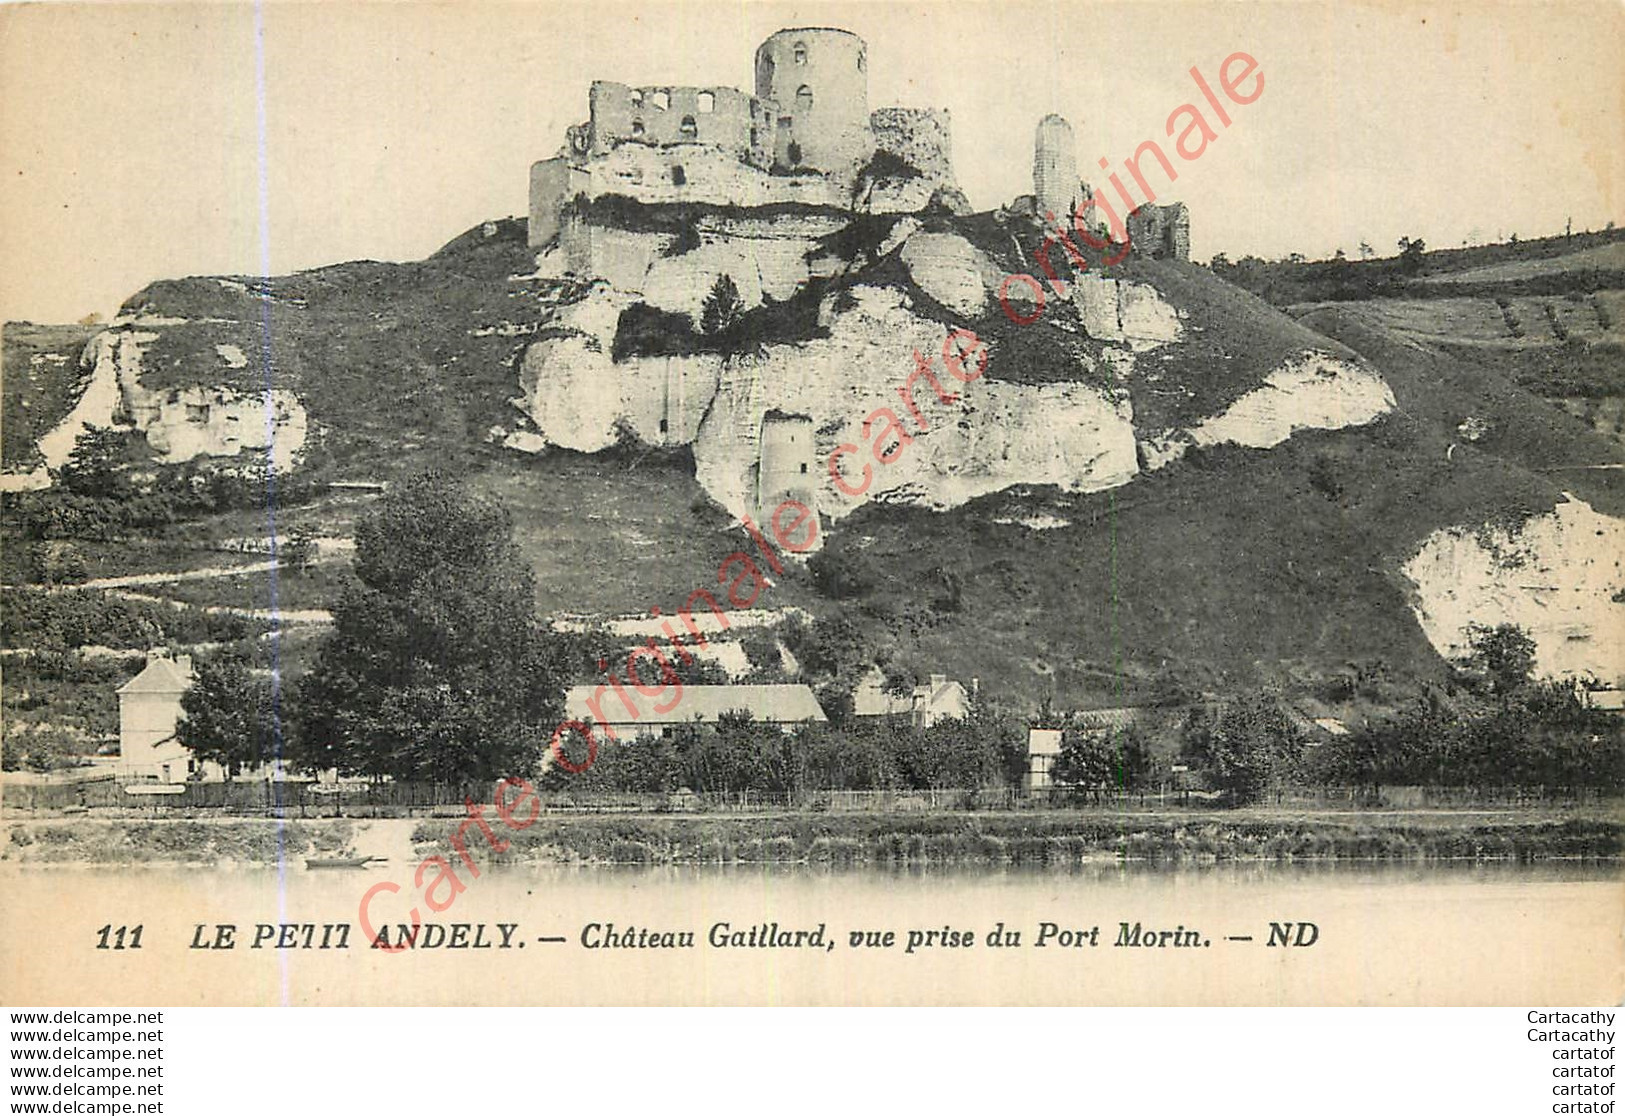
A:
(871, 503)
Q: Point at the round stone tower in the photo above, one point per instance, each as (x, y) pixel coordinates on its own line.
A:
(818, 81)
(1055, 169)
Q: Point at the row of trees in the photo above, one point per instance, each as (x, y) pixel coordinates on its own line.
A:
(737, 754)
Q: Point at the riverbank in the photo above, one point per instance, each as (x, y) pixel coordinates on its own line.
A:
(1020, 838)
(1049, 838)
(253, 841)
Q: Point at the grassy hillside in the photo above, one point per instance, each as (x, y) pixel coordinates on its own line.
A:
(39, 383)
(1230, 568)
(398, 365)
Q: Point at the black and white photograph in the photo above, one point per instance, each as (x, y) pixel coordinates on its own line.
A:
(553, 504)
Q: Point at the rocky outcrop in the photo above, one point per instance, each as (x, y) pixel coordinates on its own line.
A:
(767, 258)
(581, 399)
(991, 435)
(1559, 576)
(179, 423)
(1119, 311)
(1313, 391)
(950, 270)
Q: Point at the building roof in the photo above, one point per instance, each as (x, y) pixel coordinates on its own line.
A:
(871, 698)
(780, 704)
(1611, 700)
(160, 676)
(1044, 741)
(1107, 718)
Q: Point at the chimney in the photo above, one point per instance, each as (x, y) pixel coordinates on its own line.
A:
(975, 686)
(185, 663)
(938, 681)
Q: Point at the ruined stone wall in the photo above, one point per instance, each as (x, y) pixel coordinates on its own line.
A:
(766, 258)
(1056, 187)
(662, 116)
(553, 182)
(787, 463)
(1162, 232)
(695, 173)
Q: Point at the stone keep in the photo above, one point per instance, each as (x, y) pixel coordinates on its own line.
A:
(817, 77)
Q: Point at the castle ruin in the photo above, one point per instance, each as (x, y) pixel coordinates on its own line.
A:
(664, 190)
(807, 136)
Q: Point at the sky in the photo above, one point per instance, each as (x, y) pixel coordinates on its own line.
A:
(143, 141)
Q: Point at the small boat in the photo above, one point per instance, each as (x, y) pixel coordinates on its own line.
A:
(340, 861)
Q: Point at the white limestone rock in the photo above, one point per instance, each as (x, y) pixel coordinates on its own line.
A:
(1558, 576)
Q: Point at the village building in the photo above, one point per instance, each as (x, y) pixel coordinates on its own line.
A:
(1044, 741)
(626, 714)
(922, 706)
(149, 709)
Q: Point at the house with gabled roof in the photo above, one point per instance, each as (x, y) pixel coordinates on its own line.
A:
(938, 698)
(149, 709)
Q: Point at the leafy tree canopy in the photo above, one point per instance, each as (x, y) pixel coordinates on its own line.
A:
(436, 668)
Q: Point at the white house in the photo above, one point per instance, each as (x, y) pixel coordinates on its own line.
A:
(924, 705)
(149, 708)
(1043, 745)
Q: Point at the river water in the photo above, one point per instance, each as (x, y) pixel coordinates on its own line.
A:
(1377, 934)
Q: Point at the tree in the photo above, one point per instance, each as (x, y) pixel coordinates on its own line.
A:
(1085, 761)
(1504, 656)
(231, 716)
(1094, 760)
(299, 552)
(1410, 254)
(39, 748)
(736, 754)
(830, 759)
(436, 668)
(1366, 251)
(92, 469)
(722, 307)
(1248, 746)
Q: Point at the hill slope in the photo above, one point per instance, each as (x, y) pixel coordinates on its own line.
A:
(1161, 485)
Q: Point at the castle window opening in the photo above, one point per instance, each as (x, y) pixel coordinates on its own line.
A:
(678, 177)
(753, 135)
(801, 54)
(863, 60)
(637, 127)
(662, 100)
(197, 412)
(637, 98)
(708, 102)
(804, 98)
(803, 464)
(663, 425)
(688, 128)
